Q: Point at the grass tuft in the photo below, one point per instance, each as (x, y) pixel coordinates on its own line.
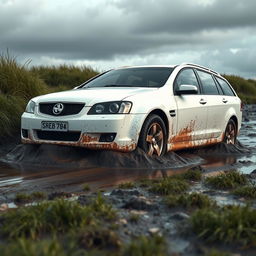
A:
(147, 246)
(26, 198)
(193, 200)
(126, 185)
(99, 238)
(169, 185)
(227, 224)
(24, 247)
(55, 217)
(86, 187)
(248, 192)
(22, 198)
(192, 174)
(134, 218)
(227, 180)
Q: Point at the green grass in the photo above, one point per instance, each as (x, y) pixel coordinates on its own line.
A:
(190, 175)
(24, 247)
(169, 185)
(64, 76)
(26, 198)
(230, 224)
(227, 180)
(86, 187)
(55, 217)
(17, 86)
(245, 88)
(188, 201)
(249, 192)
(99, 238)
(134, 218)
(147, 246)
(126, 185)
(22, 198)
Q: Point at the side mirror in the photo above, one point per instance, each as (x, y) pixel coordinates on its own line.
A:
(186, 89)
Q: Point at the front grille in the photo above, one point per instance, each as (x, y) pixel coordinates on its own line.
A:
(58, 136)
(69, 108)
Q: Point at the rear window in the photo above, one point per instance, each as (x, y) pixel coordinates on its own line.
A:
(225, 87)
(132, 77)
(208, 84)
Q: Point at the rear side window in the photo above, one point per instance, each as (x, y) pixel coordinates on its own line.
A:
(225, 87)
(208, 84)
(188, 77)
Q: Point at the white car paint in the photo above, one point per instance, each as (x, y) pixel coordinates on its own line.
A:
(189, 122)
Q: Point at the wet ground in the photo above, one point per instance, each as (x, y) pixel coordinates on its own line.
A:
(51, 168)
(57, 169)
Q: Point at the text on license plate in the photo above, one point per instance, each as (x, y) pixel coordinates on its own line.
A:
(54, 126)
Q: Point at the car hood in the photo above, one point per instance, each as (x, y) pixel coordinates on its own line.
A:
(91, 96)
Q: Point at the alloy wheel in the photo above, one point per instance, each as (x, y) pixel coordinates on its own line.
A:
(155, 139)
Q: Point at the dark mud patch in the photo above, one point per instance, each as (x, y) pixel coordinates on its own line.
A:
(223, 149)
(78, 158)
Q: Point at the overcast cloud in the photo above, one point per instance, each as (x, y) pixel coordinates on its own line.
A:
(220, 34)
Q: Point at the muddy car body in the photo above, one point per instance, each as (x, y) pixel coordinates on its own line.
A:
(158, 108)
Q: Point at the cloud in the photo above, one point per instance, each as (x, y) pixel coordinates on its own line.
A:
(114, 31)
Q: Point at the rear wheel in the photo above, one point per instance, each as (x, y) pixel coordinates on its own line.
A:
(230, 133)
(153, 136)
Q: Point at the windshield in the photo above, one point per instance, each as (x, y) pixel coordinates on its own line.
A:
(132, 77)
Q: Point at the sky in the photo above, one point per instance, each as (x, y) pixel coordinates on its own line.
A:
(105, 34)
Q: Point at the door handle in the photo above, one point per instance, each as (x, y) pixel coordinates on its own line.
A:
(202, 101)
(224, 100)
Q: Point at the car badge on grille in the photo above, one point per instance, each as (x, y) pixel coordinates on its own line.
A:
(57, 108)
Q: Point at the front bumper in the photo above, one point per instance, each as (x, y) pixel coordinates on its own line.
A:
(126, 128)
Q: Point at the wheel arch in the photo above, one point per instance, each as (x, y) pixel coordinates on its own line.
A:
(234, 118)
(163, 116)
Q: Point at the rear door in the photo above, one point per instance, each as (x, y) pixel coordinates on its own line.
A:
(216, 104)
(191, 111)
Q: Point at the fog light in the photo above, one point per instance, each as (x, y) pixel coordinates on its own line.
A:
(107, 137)
(24, 133)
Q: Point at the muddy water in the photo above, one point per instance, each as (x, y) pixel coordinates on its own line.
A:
(52, 168)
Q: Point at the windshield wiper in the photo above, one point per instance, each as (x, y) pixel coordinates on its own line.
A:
(117, 85)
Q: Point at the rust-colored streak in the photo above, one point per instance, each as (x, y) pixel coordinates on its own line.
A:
(92, 143)
(185, 134)
(184, 139)
(87, 141)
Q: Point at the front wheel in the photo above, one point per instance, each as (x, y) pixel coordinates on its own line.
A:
(153, 136)
(230, 133)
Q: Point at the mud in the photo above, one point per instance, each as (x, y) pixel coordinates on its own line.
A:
(62, 171)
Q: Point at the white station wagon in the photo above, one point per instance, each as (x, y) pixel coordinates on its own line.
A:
(156, 108)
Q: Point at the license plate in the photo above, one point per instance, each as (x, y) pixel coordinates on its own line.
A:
(54, 126)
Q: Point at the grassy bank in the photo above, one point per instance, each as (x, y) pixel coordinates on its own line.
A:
(19, 83)
(246, 88)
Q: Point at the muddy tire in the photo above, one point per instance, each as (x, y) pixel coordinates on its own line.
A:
(153, 136)
(230, 133)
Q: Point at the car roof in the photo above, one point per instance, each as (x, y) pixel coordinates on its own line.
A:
(172, 66)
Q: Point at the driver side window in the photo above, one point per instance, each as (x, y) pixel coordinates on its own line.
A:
(188, 77)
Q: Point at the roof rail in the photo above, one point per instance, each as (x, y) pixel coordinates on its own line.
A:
(195, 65)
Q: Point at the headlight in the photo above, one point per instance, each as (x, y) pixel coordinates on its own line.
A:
(113, 107)
(30, 107)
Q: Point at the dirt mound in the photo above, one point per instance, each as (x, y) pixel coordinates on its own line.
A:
(70, 157)
(223, 149)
